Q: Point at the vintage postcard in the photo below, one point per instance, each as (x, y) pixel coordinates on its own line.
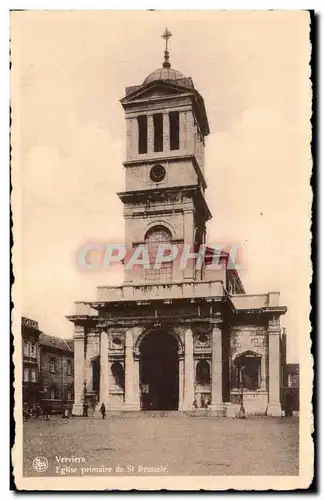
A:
(161, 203)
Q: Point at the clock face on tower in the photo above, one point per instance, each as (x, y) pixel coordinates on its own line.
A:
(157, 173)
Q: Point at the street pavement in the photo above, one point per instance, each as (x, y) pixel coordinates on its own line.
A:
(172, 445)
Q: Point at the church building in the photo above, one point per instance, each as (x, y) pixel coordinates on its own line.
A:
(174, 337)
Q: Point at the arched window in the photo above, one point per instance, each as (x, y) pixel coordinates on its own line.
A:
(53, 393)
(246, 371)
(203, 372)
(117, 371)
(154, 237)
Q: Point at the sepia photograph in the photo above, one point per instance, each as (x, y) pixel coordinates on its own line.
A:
(161, 206)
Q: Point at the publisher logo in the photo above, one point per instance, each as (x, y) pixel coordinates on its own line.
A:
(40, 464)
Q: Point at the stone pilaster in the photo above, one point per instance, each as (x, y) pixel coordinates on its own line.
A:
(166, 132)
(217, 365)
(88, 375)
(190, 132)
(78, 375)
(188, 371)
(129, 138)
(104, 369)
(150, 134)
(181, 382)
(89, 354)
(137, 382)
(130, 399)
(183, 130)
(188, 239)
(274, 405)
(263, 373)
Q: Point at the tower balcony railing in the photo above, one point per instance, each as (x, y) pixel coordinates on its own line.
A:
(145, 291)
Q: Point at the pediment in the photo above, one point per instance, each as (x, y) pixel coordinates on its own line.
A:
(156, 90)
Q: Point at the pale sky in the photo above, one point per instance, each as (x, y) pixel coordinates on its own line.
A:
(69, 71)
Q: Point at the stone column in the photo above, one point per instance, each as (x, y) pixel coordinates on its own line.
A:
(104, 369)
(188, 239)
(88, 375)
(189, 375)
(129, 138)
(78, 375)
(137, 382)
(87, 363)
(181, 384)
(135, 135)
(190, 131)
(130, 403)
(150, 134)
(166, 132)
(183, 130)
(274, 405)
(217, 365)
(263, 373)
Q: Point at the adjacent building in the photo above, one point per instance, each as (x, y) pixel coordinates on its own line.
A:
(56, 371)
(174, 338)
(31, 360)
(291, 375)
(48, 367)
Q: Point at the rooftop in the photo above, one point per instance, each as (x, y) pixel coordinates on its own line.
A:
(56, 342)
(165, 74)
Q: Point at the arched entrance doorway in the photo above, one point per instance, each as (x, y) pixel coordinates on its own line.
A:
(159, 371)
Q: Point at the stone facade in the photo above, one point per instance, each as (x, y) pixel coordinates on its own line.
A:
(177, 338)
(30, 355)
(56, 371)
(48, 368)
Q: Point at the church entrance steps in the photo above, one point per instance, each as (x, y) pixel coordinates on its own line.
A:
(161, 414)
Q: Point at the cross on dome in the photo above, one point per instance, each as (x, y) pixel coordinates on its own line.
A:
(165, 73)
(166, 35)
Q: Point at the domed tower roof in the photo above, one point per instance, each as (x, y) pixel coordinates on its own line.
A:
(166, 72)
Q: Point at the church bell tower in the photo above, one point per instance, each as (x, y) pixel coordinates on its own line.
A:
(164, 199)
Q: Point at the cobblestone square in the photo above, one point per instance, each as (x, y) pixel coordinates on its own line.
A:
(178, 444)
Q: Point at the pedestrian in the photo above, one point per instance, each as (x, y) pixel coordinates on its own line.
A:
(103, 410)
(25, 412)
(38, 410)
(208, 403)
(46, 412)
(66, 413)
